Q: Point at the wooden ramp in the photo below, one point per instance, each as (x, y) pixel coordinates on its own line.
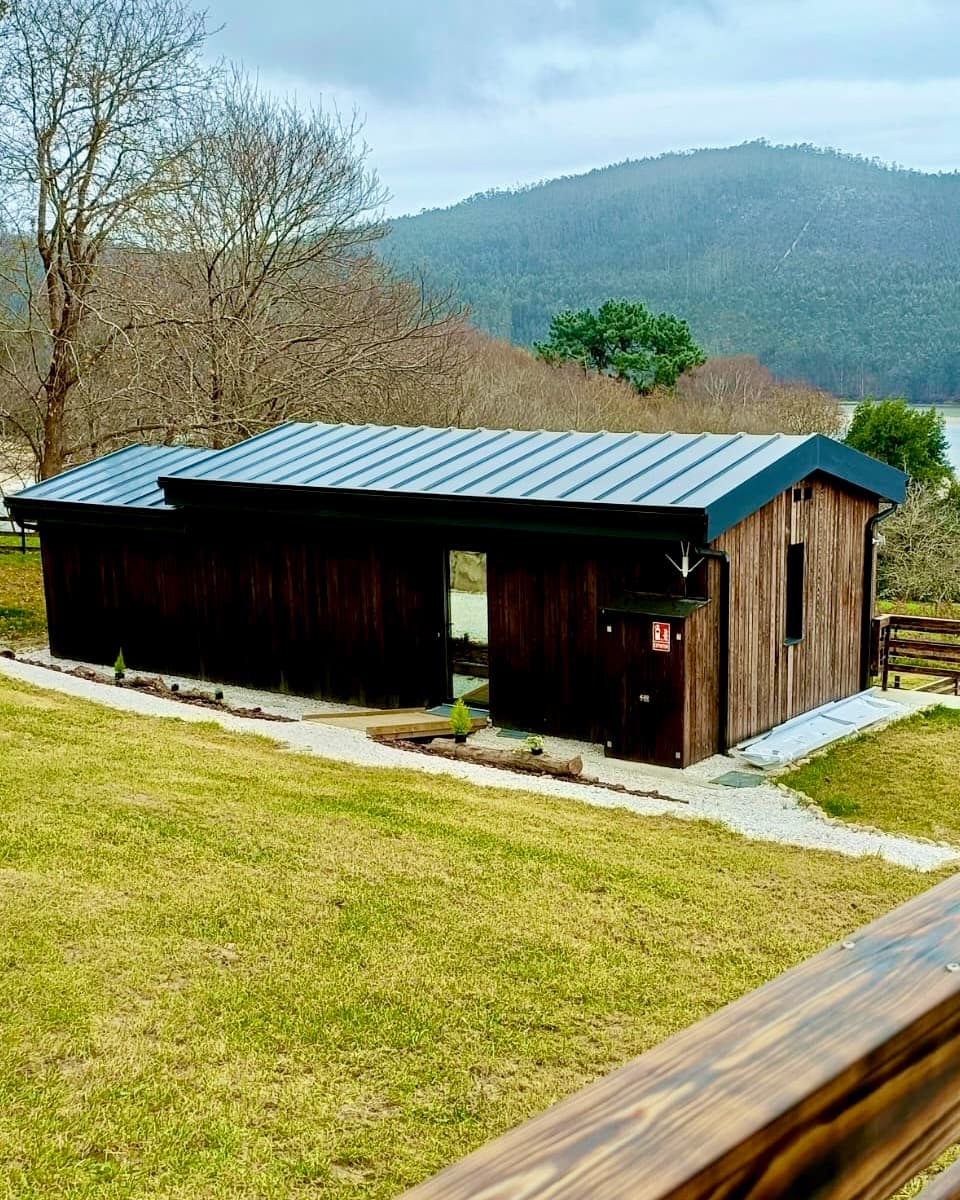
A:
(393, 722)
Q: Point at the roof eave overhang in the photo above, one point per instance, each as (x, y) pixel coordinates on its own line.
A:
(847, 468)
(464, 512)
(75, 512)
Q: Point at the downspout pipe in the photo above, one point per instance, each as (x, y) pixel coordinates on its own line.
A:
(723, 682)
(869, 582)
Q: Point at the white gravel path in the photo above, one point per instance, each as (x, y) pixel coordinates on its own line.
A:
(768, 812)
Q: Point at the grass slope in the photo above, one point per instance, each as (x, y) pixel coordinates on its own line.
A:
(22, 614)
(230, 971)
(905, 778)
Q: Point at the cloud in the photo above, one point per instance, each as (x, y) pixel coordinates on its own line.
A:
(454, 51)
(463, 52)
(463, 96)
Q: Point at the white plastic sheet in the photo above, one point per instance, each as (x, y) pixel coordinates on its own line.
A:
(810, 731)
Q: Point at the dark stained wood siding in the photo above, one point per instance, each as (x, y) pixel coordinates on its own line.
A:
(770, 681)
(356, 612)
(701, 716)
(359, 621)
(547, 666)
(643, 690)
(543, 641)
(109, 589)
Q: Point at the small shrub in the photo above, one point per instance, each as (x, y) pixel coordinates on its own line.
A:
(460, 722)
(120, 667)
(534, 743)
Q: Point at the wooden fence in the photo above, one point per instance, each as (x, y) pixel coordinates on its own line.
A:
(14, 536)
(839, 1079)
(919, 646)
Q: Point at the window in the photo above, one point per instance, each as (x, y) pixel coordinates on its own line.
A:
(794, 624)
(467, 611)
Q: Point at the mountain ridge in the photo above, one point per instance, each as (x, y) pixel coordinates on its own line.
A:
(829, 267)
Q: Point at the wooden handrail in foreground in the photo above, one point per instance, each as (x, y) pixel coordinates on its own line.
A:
(945, 1186)
(840, 1078)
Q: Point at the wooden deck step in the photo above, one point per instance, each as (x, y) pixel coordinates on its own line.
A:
(394, 722)
(349, 714)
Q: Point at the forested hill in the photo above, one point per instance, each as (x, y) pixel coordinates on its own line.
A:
(827, 267)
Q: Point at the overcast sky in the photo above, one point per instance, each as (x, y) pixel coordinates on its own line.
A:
(462, 95)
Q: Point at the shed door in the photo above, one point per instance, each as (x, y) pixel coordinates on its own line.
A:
(643, 687)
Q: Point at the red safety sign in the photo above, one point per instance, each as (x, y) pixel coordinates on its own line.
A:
(661, 636)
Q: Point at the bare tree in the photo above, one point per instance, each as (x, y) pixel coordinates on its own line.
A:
(92, 94)
(739, 381)
(920, 556)
(739, 393)
(266, 302)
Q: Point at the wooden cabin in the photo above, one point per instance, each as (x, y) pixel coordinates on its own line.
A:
(665, 595)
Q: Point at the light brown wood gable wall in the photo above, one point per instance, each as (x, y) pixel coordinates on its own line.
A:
(769, 681)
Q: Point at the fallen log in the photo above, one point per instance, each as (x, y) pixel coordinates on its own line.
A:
(516, 760)
(524, 762)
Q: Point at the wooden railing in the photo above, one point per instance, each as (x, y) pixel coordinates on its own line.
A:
(902, 647)
(839, 1079)
(13, 535)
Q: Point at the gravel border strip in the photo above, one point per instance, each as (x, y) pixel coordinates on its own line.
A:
(768, 813)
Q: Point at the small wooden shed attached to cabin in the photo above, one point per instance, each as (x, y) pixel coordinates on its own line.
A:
(666, 595)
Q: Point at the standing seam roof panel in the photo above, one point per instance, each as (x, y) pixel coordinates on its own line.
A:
(531, 453)
(359, 464)
(705, 471)
(654, 470)
(239, 465)
(597, 466)
(327, 460)
(398, 476)
(724, 477)
(529, 478)
(126, 478)
(722, 482)
(613, 486)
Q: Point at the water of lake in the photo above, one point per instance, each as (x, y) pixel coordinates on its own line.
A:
(951, 420)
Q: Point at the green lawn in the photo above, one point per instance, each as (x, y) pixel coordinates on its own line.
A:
(22, 616)
(230, 971)
(904, 778)
(919, 608)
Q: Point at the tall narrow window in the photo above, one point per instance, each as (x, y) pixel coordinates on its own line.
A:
(794, 629)
(467, 644)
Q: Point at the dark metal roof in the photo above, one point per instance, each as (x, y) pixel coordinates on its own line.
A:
(724, 477)
(710, 481)
(126, 478)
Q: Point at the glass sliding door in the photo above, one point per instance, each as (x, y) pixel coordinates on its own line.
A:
(467, 650)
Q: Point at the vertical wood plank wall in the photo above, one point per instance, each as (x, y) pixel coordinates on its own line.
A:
(544, 604)
(361, 617)
(769, 681)
(542, 633)
(701, 714)
(359, 621)
(109, 589)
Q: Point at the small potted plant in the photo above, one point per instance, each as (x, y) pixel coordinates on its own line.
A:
(460, 722)
(119, 669)
(534, 743)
